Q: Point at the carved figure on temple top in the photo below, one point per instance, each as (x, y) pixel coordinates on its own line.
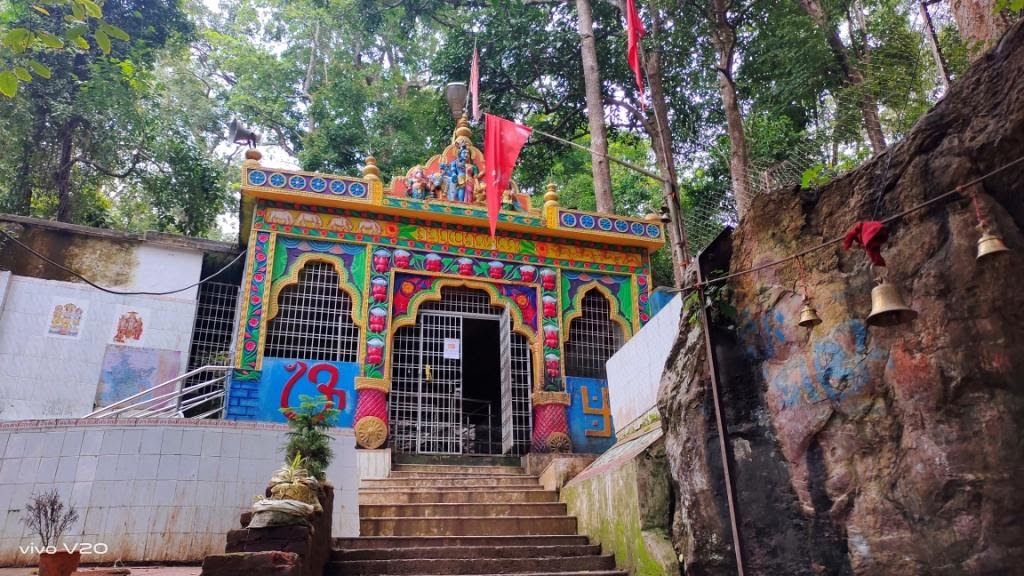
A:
(419, 185)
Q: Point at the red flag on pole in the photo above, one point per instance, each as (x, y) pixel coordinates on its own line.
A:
(503, 139)
(634, 33)
(474, 84)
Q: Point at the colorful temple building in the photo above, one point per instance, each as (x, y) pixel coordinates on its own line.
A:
(429, 335)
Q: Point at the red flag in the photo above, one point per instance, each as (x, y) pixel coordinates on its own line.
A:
(634, 33)
(503, 139)
(474, 84)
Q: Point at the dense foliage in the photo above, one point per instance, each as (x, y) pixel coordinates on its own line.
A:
(132, 133)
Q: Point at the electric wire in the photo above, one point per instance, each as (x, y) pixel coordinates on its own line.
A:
(119, 292)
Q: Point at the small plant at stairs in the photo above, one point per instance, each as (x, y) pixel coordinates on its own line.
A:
(308, 439)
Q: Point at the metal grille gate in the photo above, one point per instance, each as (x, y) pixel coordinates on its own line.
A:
(593, 338)
(426, 401)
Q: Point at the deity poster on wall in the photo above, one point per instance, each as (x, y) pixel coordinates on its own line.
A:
(129, 326)
(66, 317)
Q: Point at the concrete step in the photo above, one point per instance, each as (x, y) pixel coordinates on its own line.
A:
(394, 542)
(456, 496)
(469, 565)
(467, 552)
(397, 474)
(468, 526)
(453, 482)
(449, 510)
(453, 469)
(456, 459)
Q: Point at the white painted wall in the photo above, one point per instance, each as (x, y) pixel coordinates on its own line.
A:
(634, 372)
(152, 490)
(46, 377)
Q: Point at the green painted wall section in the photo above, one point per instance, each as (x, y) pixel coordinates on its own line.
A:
(611, 512)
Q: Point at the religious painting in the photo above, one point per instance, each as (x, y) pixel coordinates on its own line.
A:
(66, 317)
(126, 371)
(129, 326)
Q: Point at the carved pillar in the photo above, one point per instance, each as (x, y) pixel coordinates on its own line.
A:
(371, 420)
(551, 422)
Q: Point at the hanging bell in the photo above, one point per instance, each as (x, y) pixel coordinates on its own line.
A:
(888, 307)
(989, 245)
(809, 316)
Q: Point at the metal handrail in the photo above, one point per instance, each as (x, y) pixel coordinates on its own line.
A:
(143, 407)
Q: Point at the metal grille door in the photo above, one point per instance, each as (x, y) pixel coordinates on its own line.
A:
(440, 397)
(505, 355)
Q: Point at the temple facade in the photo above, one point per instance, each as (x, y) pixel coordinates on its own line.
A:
(429, 335)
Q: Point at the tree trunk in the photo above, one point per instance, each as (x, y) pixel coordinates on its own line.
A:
(724, 39)
(23, 182)
(661, 144)
(868, 107)
(979, 24)
(933, 43)
(62, 177)
(595, 110)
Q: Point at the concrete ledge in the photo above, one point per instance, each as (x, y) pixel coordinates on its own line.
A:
(560, 471)
(534, 463)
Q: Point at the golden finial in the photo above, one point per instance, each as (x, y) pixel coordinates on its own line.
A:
(253, 156)
(462, 129)
(551, 196)
(370, 170)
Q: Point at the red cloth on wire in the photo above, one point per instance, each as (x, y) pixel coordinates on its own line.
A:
(871, 235)
(634, 33)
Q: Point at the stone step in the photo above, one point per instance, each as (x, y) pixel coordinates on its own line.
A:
(453, 469)
(456, 459)
(491, 551)
(453, 482)
(469, 565)
(396, 474)
(456, 496)
(468, 526)
(393, 542)
(449, 510)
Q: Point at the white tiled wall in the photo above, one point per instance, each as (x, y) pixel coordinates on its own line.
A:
(634, 372)
(158, 490)
(44, 377)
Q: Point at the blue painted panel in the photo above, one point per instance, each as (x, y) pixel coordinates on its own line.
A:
(283, 380)
(590, 416)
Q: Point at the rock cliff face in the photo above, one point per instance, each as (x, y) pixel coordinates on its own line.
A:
(867, 450)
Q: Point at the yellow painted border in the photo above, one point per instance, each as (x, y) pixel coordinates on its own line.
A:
(616, 314)
(246, 287)
(533, 340)
(292, 278)
(382, 384)
(540, 398)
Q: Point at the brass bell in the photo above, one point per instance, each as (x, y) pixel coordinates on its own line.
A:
(888, 307)
(809, 316)
(989, 245)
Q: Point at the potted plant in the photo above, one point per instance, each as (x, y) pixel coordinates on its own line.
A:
(50, 519)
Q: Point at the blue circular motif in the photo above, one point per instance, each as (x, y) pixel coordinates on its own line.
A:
(568, 220)
(604, 224)
(653, 230)
(277, 180)
(587, 221)
(257, 177)
(297, 182)
(637, 228)
(337, 187)
(622, 226)
(356, 189)
(318, 184)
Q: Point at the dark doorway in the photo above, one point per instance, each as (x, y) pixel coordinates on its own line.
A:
(481, 386)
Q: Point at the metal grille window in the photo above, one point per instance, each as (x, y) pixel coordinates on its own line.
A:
(593, 338)
(212, 328)
(314, 319)
(465, 300)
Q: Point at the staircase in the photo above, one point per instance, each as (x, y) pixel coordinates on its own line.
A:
(465, 519)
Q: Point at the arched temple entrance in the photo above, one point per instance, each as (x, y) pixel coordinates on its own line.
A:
(461, 379)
